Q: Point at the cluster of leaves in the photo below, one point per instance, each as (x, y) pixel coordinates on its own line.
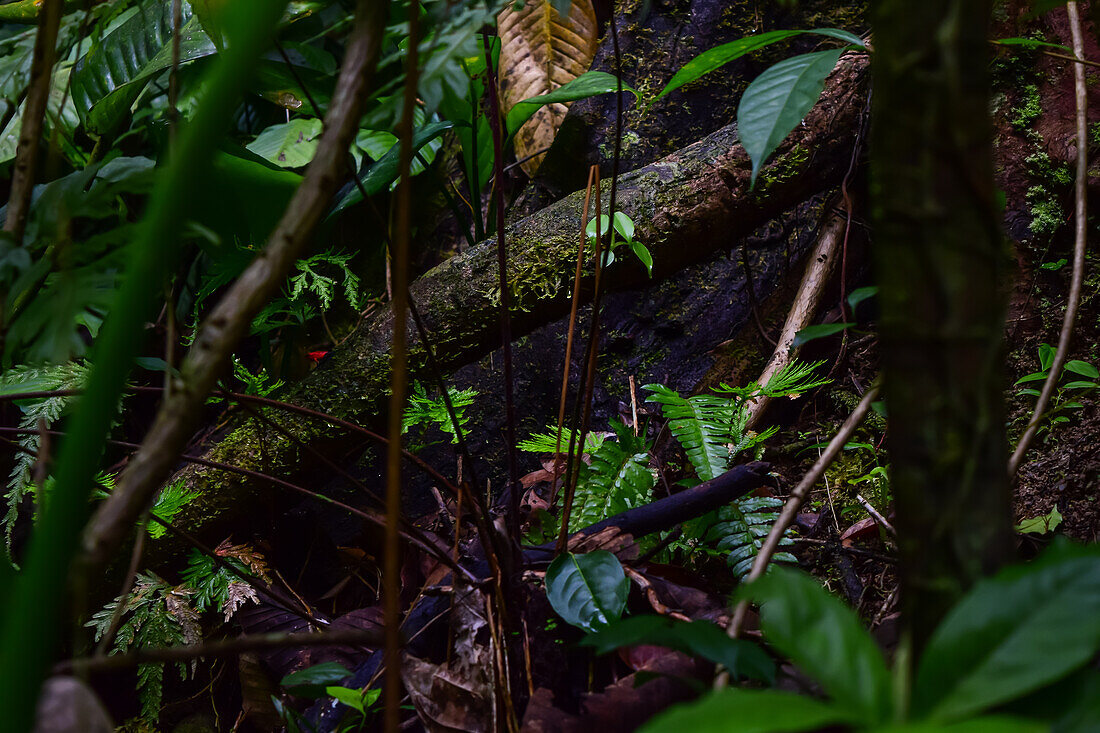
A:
(1011, 657)
(155, 614)
(323, 681)
(712, 431)
(1077, 378)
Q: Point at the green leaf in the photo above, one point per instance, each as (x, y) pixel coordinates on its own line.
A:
(312, 681)
(1013, 633)
(108, 79)
(643, 254)
(1031, 43)
(777, 100)
(588, 591)
(697, 638)
(624, 225)
(826, 640)
(747, 711)
(384, 172)
(816, 332)
(588, 84)
(1083, 368)
(1033, 377)
(289, 145)
(1041, 525)
(719, 56)
(859, 295)
(1080, 384)
(1054, 266)
(353, 698)
(1046, 355)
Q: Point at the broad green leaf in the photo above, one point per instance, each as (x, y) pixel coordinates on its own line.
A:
(1054, 266)
(1046, 355)
(1083, 368)
(859, 295)
(384, 172)
(1080, 384)
(312, 681)
(588, 84)
(1041, 525)
(698, 638)
(642, 253)
(108, 79)
(819, 331)
(777, 100)
(68, 115)
(985, 724)
(289, 145)
(624, 225)
(747, 711)
(1014, 633)
(719, 56)
(1033, 377)
(356, 699)
(826, 640)
(588, 591)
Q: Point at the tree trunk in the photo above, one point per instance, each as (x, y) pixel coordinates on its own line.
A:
(942, 268)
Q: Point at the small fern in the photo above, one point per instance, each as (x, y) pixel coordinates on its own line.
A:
(216, 587)
(311, 279)
(423, 410)
(548, 442)
(741, 529)
(59, 377)
(712, 430)
(616, 480)
(703, 425)
(155, 614)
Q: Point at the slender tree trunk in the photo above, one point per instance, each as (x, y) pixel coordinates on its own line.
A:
(941, 266)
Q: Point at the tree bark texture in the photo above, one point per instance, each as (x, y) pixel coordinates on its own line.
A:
(942, 268)
(685, 207)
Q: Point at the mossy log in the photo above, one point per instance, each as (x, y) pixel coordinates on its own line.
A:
(685, 208)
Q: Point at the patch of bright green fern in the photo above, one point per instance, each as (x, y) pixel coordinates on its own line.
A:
(424, 410)
(741, 529)
(547, 442)
(617, 479)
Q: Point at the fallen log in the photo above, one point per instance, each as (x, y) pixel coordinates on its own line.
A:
(685, 208)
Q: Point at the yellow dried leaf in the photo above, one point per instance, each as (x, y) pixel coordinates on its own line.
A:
(540, 51)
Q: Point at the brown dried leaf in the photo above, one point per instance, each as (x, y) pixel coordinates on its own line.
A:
(860, 530)
(612, 539)
(540, 51)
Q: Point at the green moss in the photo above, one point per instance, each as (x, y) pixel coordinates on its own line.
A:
(784, 168)
(1029, 110)
(1047, 215)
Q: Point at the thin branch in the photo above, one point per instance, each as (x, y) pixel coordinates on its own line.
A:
(229, 320)
(34, 114)
(399, 382)
(790, 510)
(1078, 249)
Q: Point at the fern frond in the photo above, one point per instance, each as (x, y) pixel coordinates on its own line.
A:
(616, 480)
(423, 410)
(59, 377)
(741, 530)
(548, 442)
(702, 424)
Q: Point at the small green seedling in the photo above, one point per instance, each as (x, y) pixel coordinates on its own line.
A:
(624, 227)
